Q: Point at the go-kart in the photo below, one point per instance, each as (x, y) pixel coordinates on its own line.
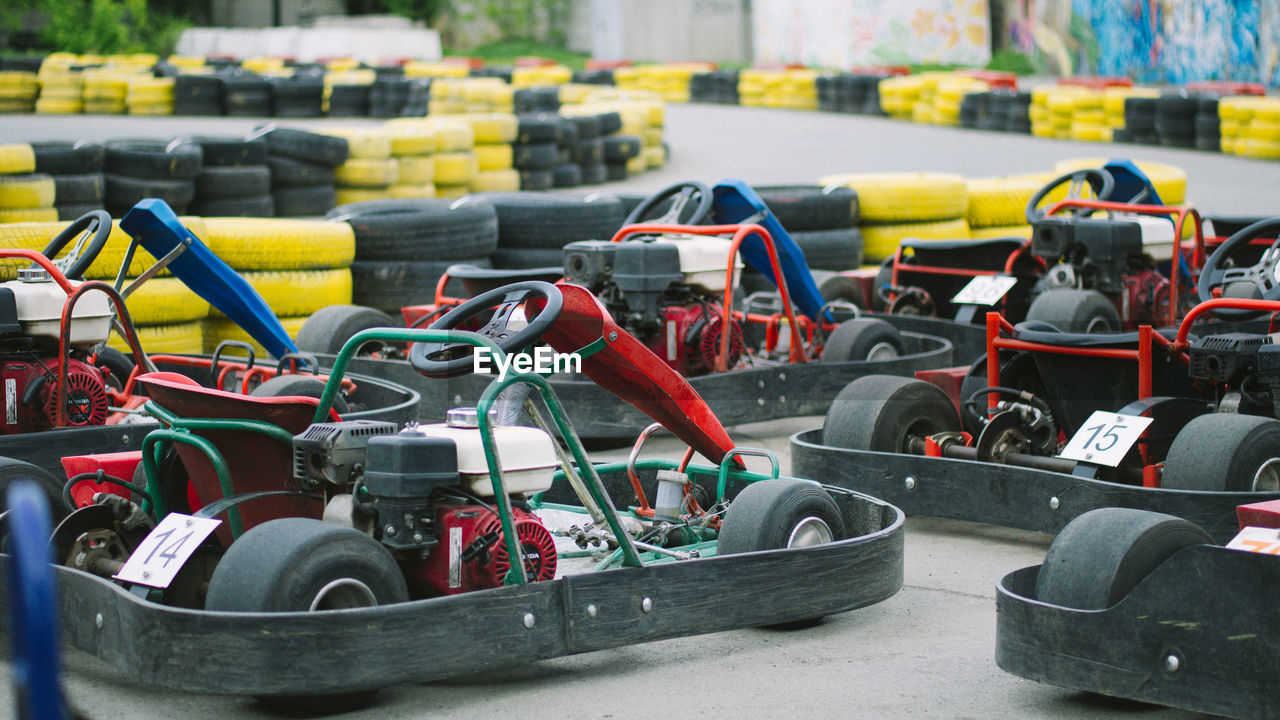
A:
(672, 286)
(1021, 442)
(1146, 606)
(409, 535)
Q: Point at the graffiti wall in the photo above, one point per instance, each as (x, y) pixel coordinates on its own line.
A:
(843, 34)
(1156, 41)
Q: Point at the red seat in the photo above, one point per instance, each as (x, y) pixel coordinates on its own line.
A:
(255, 461)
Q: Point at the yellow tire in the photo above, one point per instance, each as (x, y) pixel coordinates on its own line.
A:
(1263, 130)
(417, 169)
(278, 244)
(36, 235)
(33, 190)
(456, 168)
(999, 201)
(163, 301)
(344, 195)
(637, 165)
(364, 143)
(54, 106)
(491, 128)
(367, 173)
(906, 197)
(217, 330)
(652, 137)
(452, 191)
(413, 141)
(451, 134)
(1258, 149)
(295, 293)
(154, 109)
(494, 157)
(496, 181)
(25, 215)
(180, 338)
(1001, 231)
(880, 241)
(405, 191)
(654, 157)
(1169, 180)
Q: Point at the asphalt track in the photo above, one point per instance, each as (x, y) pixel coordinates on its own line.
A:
(927, 652)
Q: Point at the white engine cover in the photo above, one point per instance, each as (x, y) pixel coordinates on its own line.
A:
(40, 302)
(1157, 234)
(527, 456)
(703, 259)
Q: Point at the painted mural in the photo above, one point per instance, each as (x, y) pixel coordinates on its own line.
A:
(843, 34)
(1154, 41)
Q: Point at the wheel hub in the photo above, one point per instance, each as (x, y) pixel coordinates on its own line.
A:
(810, 531)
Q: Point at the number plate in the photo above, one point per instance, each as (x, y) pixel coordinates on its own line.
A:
(1258, 540)
(166, 549)
(985, 290)
(1105, 438)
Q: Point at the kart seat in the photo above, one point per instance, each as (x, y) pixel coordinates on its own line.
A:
(1038, 331)
(255, 461)
(975, 254)
(1005, 244)
(477, 280)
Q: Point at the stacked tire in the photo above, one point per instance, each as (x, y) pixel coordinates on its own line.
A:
(246, 94)
(25, 195)
(823, 222)
(61, 92)
(533, 227)
(138, 169)
(1208, 126)
(235, 180)
(413, 149)
(76, 169)
(302, 176)
(536, 151)
(1175, 121)
(198, 95)
(1140, 120)
(587, 150)
(105, 92)
(392, 238)
(349, 100)
(150, 95)
(456, 164)
(493, 133)
(298, 96)
(18, 90)
(369, 171)
(894, 206)
(998, 205)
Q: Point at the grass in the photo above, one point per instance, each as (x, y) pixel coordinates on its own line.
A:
(505, 52)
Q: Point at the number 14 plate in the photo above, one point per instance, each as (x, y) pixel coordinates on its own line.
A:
(1105, 438)
(166, 548)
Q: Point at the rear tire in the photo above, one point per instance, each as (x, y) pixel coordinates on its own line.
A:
(1224, 452)
(328, 329)
(880, 413)
(1075, 311)
(863, 339)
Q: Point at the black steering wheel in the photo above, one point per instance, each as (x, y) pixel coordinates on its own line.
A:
(446, 360)
(79, 259)
(1101, 181)
(683, 193)
(1260, 280)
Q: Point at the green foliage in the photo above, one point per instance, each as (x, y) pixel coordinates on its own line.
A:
(425, 10)
(1012, 61)
(97, 26)
(506, 52)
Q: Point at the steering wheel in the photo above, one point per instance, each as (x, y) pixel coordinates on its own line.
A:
(446, 360)
(1101, 181)
(682, 192)
(79, 259)
(1264, 276)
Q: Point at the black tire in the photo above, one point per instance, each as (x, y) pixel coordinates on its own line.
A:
(537, 180)
(118, 363)
(566, 175)
(198, 108)
(533, 156)
(588, 126)
(618, 148)
(834, 286)
(610, 122)
(527, 258)
(71, 212)
(198, 89)
(836, 249)
(811, 207)
(1075, 311)
(767, 514)
(68, 158)
(309, 147)
(231, 151)
(1224, 452)
(304, 200)
(533, 220)
(589, 152)
(262, 206)
(78, 189)
(287, 172)
(616, 171)
(13, 470)
(437, 228)
(330, 327)
(537, 128)
(1102, 555)
(297, 385)
(389, 286)
(594, 174)
(863, 339)
(222, 183)
(153, 159)
(123, 192)
(882, 412)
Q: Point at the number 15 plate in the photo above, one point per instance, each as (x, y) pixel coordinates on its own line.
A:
(166, 548)
(1105, 438)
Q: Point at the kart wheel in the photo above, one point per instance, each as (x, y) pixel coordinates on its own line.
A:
(117, 363)
(1075, 311)
(834, 286)
(328, 329)
(1102, 555)
(297, 386)
(863, 339)
(12, 470)
(884, 413)
(301, 564)
(775, 514)
(1224, 451)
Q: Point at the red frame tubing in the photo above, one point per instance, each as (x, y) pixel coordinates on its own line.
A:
(900, 266)
(1181, 211)
(739, 232)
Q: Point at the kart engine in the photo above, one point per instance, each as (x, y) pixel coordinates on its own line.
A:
(426, 494)
(667, 291)
(1105, 255)
(30, 322)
